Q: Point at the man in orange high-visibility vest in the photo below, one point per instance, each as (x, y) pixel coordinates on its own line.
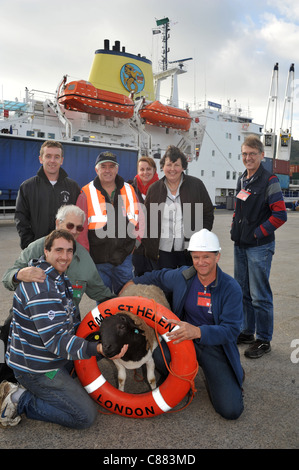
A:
(111, 209)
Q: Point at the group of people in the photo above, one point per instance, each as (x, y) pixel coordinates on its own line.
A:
(97, 239)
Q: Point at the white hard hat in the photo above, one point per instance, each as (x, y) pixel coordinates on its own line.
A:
(204, 241)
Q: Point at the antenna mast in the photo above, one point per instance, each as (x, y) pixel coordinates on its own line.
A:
(163, 25)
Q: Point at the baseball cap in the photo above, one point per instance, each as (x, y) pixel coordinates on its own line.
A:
(106, 157)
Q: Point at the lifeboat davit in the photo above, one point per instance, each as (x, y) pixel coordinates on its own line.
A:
(158, 114)
(82, 96)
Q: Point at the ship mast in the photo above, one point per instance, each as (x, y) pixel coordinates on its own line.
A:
(173, 72)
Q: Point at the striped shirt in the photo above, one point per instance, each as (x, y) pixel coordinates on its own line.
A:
(42, 333)
(256, 217)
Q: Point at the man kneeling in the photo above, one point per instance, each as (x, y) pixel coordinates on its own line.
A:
(209, 305)
(42, 345)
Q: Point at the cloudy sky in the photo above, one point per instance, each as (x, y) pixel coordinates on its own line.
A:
(234, 45)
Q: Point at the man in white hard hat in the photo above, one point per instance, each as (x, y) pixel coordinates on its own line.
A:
(209, 305)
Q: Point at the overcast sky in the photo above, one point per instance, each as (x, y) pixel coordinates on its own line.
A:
(234, 45)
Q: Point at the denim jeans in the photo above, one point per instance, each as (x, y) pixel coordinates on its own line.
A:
(223, 387)
(61, 400)
(115, 277)
(252, 271)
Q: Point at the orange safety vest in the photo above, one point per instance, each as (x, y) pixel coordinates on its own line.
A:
(96, 204)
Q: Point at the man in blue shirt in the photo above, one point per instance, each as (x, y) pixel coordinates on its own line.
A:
(42, 345)
(208, 303)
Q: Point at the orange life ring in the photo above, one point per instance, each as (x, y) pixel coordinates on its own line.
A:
(144, 405)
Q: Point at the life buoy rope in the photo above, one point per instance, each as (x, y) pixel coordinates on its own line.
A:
(183, 367)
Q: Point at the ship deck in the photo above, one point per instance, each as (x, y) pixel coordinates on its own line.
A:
(271, 387)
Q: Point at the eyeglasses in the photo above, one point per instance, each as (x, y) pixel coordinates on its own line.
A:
(70, 226)
(251, 154)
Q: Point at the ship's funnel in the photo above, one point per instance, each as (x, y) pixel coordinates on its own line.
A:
(117, 71)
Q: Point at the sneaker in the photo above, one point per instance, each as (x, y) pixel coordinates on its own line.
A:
(245, 339)
(8, 409)
(258, 349)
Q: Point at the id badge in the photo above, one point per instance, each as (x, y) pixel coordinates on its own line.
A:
(243, 195)
(203, 300)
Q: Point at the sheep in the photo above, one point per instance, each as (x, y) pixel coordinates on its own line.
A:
(149, 292)
(127, 328)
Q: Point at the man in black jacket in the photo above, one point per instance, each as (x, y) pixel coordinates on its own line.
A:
(111, 208)
(40, 196)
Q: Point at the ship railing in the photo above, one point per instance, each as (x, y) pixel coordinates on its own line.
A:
(7, 203)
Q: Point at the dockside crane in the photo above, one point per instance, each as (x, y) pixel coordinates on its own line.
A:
(283, 151)
(269, 139)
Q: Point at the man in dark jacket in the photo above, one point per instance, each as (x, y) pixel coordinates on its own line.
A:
(208, 303)
(40, 197)
(259, 211)
(111, 208)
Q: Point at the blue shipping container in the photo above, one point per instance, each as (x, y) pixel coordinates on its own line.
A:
(19, 161)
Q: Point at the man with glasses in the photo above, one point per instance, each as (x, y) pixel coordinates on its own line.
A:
(81, 272)
(40, 196)
(259, 211)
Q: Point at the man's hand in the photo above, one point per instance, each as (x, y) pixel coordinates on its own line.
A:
(31, 274)
(118, 356)
(185, 331)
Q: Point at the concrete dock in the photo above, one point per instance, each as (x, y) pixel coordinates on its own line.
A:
(271, 389)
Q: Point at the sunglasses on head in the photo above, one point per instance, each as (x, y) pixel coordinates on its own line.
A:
(70, 226)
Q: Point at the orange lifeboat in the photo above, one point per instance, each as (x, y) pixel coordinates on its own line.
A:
(82, 96)
(158, 114)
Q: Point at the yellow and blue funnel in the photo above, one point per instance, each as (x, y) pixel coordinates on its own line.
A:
(117, 71)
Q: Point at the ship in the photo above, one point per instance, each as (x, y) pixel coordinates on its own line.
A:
(119, 108)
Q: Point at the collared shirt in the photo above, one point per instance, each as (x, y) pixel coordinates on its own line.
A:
(172, 232)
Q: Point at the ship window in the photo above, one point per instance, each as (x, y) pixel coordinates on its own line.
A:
(202, 172)
(30, 133)
(213, 153)
(213, 173)
(234, 175)
(41, 134)
(229, 155)
(51, 135)
(71, 87)
(228, 175)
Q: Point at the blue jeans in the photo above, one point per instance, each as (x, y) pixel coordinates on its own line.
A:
(223, 387)
(252, 271)
(115, 277)
(61, 400)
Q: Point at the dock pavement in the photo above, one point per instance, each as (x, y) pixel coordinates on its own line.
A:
(271, 388)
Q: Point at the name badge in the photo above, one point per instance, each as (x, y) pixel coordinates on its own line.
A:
(243, 195)
(203, 300)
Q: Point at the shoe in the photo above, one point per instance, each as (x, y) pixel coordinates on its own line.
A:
(245, 339)
(8, 409)
(258, 349)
